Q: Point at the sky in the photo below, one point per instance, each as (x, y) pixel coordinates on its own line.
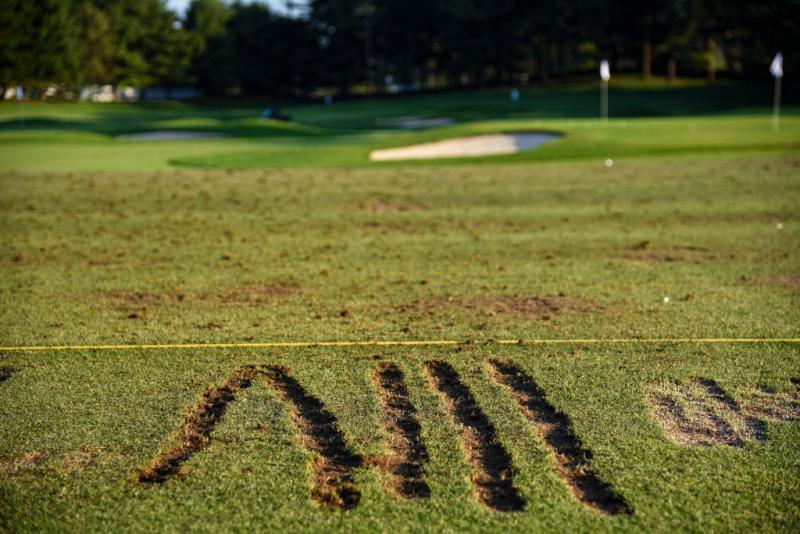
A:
(277, 5)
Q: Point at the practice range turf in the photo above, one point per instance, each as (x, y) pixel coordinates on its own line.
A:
(285, 232)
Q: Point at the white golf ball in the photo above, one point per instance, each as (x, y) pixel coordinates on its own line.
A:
(609, 162)
(779, 226)
(666, 300)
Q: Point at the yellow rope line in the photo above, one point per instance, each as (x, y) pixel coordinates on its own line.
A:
(396, 343)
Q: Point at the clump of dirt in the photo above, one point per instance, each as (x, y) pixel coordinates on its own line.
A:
(493, 477)
(700, 413)
(195, 434)
(569, 456)
(393, 207)
(257, 294)
(332, 483)
(407, 454)
(540, 307)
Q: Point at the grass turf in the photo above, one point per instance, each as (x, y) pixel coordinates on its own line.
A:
(131, 252)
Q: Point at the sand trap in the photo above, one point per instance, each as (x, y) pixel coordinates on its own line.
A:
(169, 135)
(414, 122)
(479, 145)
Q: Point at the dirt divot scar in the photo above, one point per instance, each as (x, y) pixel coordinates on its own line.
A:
(700, 413)
(569, 456)
(407, 454)
(195, 434)
(493, 477)
(332, 483)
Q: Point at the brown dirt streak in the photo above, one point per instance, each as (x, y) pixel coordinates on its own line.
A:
(493, 481)
(570, 458)
(195, 434)
(407, 454)
(332, 483)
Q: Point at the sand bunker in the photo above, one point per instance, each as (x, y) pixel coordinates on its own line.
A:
(413, 122)
(479, 145)
(169, 135)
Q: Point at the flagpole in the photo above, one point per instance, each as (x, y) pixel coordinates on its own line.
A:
(605, 75)
(776, 104)
(776, 69)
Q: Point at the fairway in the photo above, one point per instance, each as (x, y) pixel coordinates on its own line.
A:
(267, 331)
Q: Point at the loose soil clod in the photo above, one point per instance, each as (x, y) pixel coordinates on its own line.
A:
(407, 454)
(493, 481)
(195, 434)
(332, 483)
(569, 456)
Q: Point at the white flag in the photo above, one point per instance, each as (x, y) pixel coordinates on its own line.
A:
(605, 71)
(777, 66)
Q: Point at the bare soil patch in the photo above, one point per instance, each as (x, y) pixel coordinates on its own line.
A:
(773, 406)
(538, 307)
(700, 413)
(646, 252)
(493, 476)
(136, 298)
(407, 454)
(393, 207)
(568, 455)
(789, 280)
(332, 483)
(257, 294)
(195, 434)
(26, 462)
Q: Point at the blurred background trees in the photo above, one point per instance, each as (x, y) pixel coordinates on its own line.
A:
(343, 46)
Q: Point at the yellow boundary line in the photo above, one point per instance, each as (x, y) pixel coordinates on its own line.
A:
(396, 343)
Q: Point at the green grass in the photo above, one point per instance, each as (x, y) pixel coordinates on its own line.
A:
(295, 236)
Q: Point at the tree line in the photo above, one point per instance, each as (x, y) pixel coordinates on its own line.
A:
(347, 46)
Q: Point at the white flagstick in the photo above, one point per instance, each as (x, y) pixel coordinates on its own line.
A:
(605, 75)
(776, 68)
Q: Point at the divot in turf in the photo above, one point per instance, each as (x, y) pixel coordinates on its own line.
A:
(332, 483)
(195, 434)
(5, 373)
(700, 413)
(493, 476)
(568, 455)
(407, 455)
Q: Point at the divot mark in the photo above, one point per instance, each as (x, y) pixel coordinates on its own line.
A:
(493, 479)
(700, 413)
(569, 456)
(195, 434)
(407, 454)
(6, 373)
(332, 483)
